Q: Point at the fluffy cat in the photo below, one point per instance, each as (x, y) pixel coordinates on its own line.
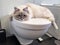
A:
(29, 11)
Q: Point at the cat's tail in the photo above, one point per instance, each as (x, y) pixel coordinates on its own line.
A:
(52, 19)
(55, 25)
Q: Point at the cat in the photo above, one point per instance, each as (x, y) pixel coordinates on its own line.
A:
(29, 11)
(22, 13)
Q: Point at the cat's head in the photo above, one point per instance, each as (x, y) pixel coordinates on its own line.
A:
(21, 13)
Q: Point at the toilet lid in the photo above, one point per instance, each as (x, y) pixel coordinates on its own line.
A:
(37, 21)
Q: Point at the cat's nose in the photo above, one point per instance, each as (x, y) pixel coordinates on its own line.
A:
(21, 13)
(21, 18)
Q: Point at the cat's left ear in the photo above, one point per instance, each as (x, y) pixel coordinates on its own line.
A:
(16, 9)
(26, 9)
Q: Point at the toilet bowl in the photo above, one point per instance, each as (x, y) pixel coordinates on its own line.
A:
(27, 31)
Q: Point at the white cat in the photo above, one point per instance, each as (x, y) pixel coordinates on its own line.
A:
(29, 11)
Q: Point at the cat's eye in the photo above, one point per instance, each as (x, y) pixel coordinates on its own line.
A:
(18, 15)
(24, 15)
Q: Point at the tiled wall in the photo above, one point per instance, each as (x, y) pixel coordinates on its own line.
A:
(47, 2)
(56, 12)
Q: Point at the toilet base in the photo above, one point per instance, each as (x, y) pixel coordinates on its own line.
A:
(22, 40)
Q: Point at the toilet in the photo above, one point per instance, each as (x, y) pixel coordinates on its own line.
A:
(27, 31)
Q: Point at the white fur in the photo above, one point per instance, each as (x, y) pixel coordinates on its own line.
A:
(41, 12)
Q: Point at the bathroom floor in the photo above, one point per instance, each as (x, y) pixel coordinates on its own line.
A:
(13, 41)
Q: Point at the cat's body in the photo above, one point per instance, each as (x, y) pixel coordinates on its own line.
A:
(29, 11)
(41, 12)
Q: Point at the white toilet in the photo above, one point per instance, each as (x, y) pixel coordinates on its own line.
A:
(27, 31)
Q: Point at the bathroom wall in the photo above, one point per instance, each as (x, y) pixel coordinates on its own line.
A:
(47, 2)
(56, 12)
(0, 7)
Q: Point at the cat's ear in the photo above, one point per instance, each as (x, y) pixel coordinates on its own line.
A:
(26, 9)
(16, 9)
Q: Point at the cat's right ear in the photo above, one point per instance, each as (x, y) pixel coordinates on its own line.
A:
(16, 9)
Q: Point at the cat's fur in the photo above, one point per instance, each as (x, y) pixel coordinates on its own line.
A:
(41, 12)
(33, 11)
